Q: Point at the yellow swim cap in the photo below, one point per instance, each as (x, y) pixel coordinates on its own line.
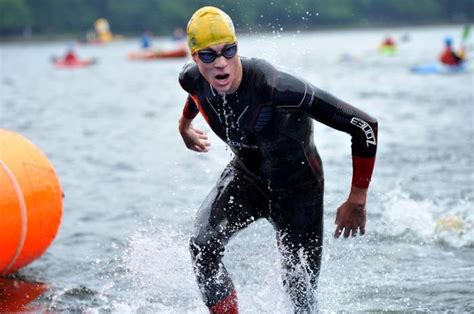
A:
(209, 26)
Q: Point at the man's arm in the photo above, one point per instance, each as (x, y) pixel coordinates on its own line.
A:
(351, 215)
(293, 93)
(194, 139)
(362, 128)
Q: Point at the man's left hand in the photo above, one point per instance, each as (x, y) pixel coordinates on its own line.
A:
(352, 215)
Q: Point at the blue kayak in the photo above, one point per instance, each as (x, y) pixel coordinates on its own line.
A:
(439, 68)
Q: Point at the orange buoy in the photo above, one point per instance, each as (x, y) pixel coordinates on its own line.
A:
(31, 202)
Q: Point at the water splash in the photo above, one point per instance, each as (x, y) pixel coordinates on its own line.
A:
(159, 267)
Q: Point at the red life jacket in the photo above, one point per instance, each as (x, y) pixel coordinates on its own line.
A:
(70, 57)
(449, 57)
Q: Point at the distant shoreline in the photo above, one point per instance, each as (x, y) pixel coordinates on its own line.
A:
(372, 26)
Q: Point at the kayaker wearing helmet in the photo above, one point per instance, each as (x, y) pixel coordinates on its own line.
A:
(448, 56)
(265, 116)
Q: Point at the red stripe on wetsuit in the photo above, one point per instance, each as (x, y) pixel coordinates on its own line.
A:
(362, 171)
(192, 108)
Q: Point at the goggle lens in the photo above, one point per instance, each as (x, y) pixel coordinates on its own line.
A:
(208, 56)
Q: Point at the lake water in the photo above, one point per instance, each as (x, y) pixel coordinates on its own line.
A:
(132, 188)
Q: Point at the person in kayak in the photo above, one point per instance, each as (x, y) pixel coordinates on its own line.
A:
(146, 40)
(388, 41)
(449, 56)
(265, 116)
(70, 56)
(178, 35)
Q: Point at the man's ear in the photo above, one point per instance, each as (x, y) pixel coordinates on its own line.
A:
(195, 56)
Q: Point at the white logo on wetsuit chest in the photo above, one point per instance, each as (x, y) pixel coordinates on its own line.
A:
(364, 126)
(239, 144)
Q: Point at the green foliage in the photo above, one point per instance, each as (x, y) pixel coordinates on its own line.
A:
(161, 17)
(14, 16)
(402, 10)
(63, 16)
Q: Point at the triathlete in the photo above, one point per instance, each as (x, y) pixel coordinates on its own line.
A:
(265, 116)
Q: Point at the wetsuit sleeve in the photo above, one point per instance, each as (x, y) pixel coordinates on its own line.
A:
(188, 79)
(363, 129)
(190, 110)
(295, 94)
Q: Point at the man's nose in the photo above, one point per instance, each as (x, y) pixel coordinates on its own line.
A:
(220, 62)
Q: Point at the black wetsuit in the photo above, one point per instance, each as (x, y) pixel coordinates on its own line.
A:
(276, 173)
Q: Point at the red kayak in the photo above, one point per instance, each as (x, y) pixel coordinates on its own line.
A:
(73, 64)
(161, 54)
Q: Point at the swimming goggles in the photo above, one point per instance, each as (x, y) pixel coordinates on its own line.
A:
(209, 55)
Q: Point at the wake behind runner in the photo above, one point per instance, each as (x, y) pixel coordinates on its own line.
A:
(265, 116)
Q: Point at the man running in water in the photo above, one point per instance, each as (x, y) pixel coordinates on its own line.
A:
(264, 115)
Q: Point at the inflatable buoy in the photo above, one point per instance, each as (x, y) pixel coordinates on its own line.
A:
(31, 202)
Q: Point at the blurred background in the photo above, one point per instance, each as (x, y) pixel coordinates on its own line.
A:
(73, 17)
(93, 83)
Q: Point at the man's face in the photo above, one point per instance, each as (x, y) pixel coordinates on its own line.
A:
(224, 74)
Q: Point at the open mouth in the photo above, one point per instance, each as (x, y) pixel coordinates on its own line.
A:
(222, 76)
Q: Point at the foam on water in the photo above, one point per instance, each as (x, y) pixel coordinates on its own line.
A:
(410, 218)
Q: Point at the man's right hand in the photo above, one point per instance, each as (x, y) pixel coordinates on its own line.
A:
(194, 139)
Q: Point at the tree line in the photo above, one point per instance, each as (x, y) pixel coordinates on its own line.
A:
(53, 17)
